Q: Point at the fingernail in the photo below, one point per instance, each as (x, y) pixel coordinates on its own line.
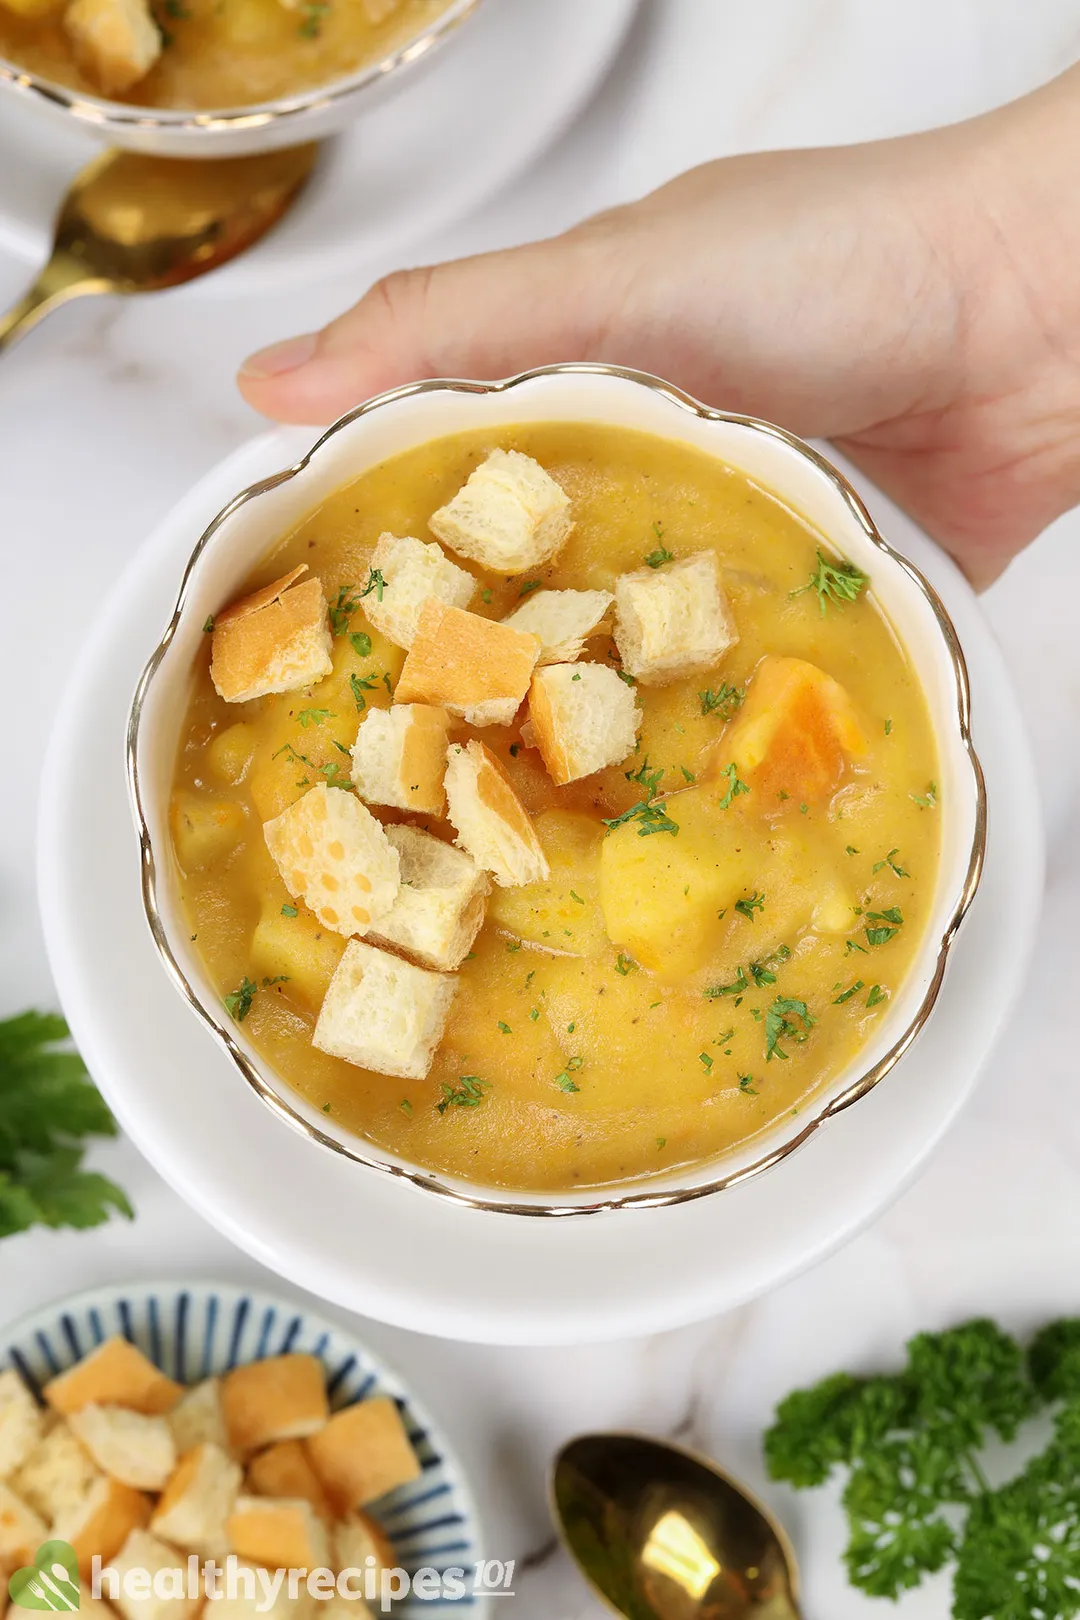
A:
(281, 357)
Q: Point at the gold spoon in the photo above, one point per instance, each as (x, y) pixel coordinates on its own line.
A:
(662, 1534)
(131, 223)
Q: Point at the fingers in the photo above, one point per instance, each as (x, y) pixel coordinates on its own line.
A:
(484, 317)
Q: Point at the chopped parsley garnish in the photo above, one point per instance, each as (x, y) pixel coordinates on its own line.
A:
(468, 1093)
(631, 680)
(888, 728)
(386, 683)
(405, 1105)
(360, 642)
(653, 818)
(892, 863)
(738, 987)
(876, 996)
(706, 1061)
(851, 945)
(746, 1085)
(624, 964)
(345, 603)
(883, 933)
(780, 1025)
(734, 786)
(238, 1002)
(576, 897)
(689, 775)
(833, 582)
(761, 972)
(534, 1014)
(529, 586)
(754, 902)
(657, 558)
(485, 595)
(927, 800)
(505, 1028)
(376, 583)
(289, 911)
(661, 1143)
(565, 1083)
(313, 13)
(847, 994)
(648, 779)
(723, 702)
(314, 717)
(208, 626)
(851, 850)
(361, 684)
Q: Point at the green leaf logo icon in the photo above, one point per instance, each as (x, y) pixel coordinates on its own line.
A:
(51, 1582)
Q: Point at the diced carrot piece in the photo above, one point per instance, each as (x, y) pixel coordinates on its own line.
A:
(794, 734)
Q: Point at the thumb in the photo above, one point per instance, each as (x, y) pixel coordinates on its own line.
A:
(483, 317)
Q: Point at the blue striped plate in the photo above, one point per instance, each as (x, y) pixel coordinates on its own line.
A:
(192, 1330)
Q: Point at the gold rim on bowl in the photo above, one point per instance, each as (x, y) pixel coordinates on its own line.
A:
(101, 114)
(859, 1087)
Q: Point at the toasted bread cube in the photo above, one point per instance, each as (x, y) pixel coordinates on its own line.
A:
(253, 1598)
(584, 718)
(399, 757)
(491, 822)
(285, 1470)
(673, 621)
(384, 1014)
(197, 1501)
(56, 1476)
(279, 1398)
(116, 42)
(275, 640)
(511, 515)
(334, 855)
(441, 904)
(199, 1417)
(135, 1449)
(363, 1452)
(279, 1534)
(145, 1553)
(115, 1374)
(21, 1418)
(357, 1537)
(794, 733)
(22, 1531)
(474, 667)
(101, 1523)
(564, 620)
(412, 573)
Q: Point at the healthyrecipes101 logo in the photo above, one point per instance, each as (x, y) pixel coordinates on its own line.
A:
(52, 1582)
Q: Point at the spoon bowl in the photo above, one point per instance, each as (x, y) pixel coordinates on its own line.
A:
(132, 223)
(663, 1534)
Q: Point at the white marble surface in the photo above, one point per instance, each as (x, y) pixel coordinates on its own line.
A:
(108, 413)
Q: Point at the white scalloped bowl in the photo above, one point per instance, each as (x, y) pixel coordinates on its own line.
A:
(224, 556)
(309, 115)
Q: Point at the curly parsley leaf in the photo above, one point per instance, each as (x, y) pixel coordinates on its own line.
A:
(48, 1107)
(834, 582)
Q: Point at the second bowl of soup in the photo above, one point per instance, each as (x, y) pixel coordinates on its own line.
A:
(557, 793)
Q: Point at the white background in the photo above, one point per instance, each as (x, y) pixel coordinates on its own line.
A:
(107, 414)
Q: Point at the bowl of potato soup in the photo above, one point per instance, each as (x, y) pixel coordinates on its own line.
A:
(556, 793)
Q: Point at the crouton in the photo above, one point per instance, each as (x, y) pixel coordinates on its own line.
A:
(198, 1417)
(673, 621)
(116, 42)
(56, 1476)
(279, 1534)
(22, 1531)
(21, 1418)
(490, 820)
(384, 1014)
(197, 1501)
(115, 1374)
(474, 667)
(583, 717)
(509, 516)
(275, 640)
(257, 1594)
(441, 904)
(794, 733)
(142, 1556)
(334, 855)
(363, 1452)
(135, 1449)
(356, 1538)
(285, 1470)
(99, 1526)
(411, 573)
(399, 757)
(279, 1398)
(563, 620)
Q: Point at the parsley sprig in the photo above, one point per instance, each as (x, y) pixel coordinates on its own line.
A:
(910, 1444)
(652, 817)
(48, 1109)
(833, 582)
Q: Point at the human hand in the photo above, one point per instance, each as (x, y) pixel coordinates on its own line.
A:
(916, 301)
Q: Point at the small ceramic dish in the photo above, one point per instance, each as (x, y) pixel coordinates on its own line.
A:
(247, 528)
(310, 115)
(195, 1330)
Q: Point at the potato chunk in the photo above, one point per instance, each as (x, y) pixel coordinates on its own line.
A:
(563, 913)
(794, 734)
(290, 940)
(204, 829)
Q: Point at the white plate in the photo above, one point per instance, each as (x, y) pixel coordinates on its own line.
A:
(373, 1245)
(507, 86)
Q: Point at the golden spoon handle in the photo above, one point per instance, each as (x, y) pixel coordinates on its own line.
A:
(61, 280)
